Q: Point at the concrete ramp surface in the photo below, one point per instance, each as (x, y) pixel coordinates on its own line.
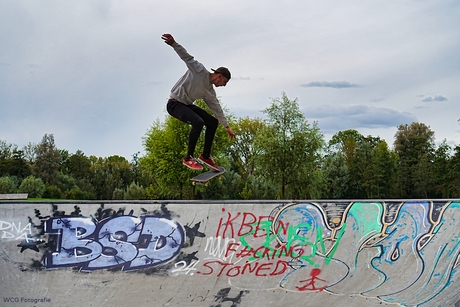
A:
(230, 253)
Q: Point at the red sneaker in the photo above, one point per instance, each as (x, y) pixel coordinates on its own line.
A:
(209, 162)
(191, 163)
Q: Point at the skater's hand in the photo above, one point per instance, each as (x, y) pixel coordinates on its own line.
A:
(168, 38)
(230, 133)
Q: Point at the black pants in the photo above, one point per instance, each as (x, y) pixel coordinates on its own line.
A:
(197, 117)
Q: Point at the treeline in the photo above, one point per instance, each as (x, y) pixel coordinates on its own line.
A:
(44, 171)
(281, 157)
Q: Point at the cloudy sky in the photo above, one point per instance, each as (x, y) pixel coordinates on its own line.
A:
(96, 74)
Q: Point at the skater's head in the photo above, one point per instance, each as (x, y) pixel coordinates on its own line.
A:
(220, 76)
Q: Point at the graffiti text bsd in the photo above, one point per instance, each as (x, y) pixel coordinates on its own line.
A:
(127, 241)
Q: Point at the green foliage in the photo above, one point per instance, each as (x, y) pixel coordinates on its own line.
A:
(165, 146)
(246, 193)
(7, 185)
(335, 177)
(135, 192)
(118, 194)
(365, 167)
(453, 176)
(13, 162)
(53, 192)
(345, 142)
(6, 150)
(441, 170)
(383, 171)
(77, 193)
(30, 152)
(78, 165)
(289, 148)
(414, 145)
(65, 182)
(33, 186)
(279, 157)
(108, 174)
(243, 150)
(47, 162)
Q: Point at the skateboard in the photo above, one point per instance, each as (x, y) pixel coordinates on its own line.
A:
(203, 178)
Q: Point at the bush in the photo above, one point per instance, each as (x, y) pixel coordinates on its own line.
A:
(134, 192)
(118, 194)
(33, 186)
(79, 194)
(65, 182)
(7, 185)
(53, 191)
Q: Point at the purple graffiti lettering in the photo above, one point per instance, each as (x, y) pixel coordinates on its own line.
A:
(130, 242)
(69, 238)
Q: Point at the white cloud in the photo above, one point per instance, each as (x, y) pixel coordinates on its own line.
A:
(333, 84)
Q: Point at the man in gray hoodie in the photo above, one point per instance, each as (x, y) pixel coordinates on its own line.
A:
(197, 83)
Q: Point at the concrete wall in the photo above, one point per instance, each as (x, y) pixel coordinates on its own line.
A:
(230, 253)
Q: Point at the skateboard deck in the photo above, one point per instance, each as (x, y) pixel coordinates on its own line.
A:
(203, 178)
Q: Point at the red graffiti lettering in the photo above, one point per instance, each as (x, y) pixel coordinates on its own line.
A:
(230, 248)
(256, 268)
(228, 225)
(247, 224)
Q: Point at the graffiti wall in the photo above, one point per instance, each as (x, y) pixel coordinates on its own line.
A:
(363, 253)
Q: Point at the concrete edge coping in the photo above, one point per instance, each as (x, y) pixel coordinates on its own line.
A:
(14, 196)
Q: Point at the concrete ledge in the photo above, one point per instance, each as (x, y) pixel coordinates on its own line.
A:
(258, 253)
(14, 196)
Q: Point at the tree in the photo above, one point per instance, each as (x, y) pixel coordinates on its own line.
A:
(5, 155)
(108, 174)
(6, 150)
(15, 165)
(335, 173)
(165, 146)
(369, 165)
(53, 192)
(140, 175)
(289, 148)
(414, 145)
(7, 185)
(454, 174)
(77, 193)
(422, 177)
(345, 142)
(384, 164)
(19, 166)
(78, 165)
(243, 153)
(135, 191)
(30, 152)
(441, 168)
(243, 150)
(364, 169)
(47, 162)
(33, 186)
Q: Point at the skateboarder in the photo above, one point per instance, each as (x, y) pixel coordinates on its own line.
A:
(197, 83)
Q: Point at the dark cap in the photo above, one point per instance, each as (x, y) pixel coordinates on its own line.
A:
(223, 71)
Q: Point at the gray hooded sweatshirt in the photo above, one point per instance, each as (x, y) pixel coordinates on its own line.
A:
(196, 84)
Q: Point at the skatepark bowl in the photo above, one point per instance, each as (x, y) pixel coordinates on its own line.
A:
(230, 253)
